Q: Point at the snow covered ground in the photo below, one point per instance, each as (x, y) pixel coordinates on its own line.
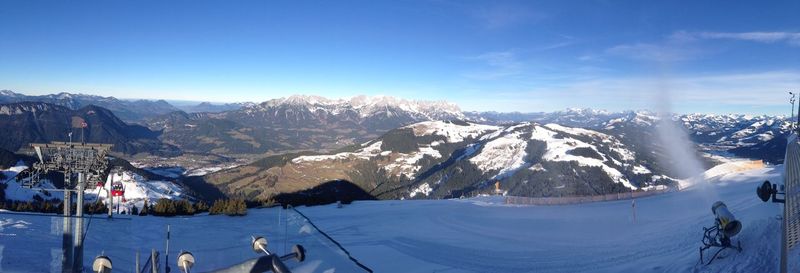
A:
(15, 191)
(137, 189)
(484, 235)
(469, 235)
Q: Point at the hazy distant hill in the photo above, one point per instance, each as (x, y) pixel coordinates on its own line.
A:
(128, 110)
(27, 122)
(208, 107)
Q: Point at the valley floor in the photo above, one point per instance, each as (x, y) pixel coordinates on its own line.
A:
(469, 235)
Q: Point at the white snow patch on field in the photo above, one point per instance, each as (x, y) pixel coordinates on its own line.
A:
(453, 132)
(504, 154)
(406, 164)
(574, 131)
(422, 189)
(364, 153)
(202, 171)
(639, 169)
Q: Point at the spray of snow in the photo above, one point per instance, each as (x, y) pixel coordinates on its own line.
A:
(680, 153)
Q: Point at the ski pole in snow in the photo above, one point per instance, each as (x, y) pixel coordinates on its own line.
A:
(166, 254)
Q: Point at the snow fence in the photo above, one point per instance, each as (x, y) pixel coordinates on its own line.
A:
(519, 200)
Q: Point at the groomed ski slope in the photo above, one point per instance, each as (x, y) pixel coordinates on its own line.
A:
(483, 235)
(470, 235)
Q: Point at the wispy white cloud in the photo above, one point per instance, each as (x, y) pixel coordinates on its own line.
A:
(494, 65)
(684, 45)
(555, 45)
(791, 38)
(666, 52)
(758, 89)
(761, 92)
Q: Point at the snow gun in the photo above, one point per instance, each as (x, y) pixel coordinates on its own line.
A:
(719, 235)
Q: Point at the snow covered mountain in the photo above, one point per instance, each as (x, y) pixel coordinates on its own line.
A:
(380, 112)
(297, 123)
(574, 117)
(759, 137)
(438, 159)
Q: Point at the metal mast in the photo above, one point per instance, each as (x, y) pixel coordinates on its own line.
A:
(84, 161)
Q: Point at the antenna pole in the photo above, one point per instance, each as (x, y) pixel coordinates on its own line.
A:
(791, 101)
(798, 110)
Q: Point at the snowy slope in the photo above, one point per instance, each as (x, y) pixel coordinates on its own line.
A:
(15, 191)
(469, 235)
(484, 235)
(505, 151)
(137, 190)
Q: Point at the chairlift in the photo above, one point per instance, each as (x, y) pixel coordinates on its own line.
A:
(117, 189)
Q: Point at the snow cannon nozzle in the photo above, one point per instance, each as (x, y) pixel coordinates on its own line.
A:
(719, 235)
(725, 219)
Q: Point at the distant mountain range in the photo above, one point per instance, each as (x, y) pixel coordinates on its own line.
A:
(296, 123)
(758, 137)
(600, 152)
(446, 159)
(38, 122)
(208, 107)
(396, 148)
(128, 110)
(315, 123)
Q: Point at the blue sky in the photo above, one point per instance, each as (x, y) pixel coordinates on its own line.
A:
(528, 56)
